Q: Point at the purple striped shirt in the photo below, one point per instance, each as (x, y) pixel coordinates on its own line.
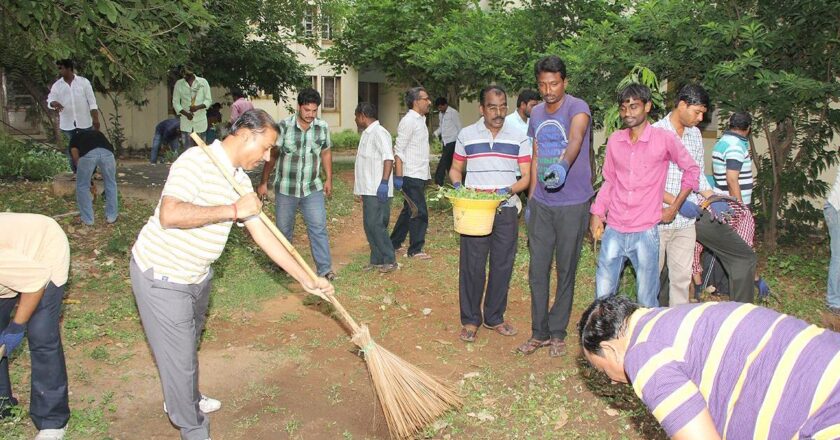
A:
(760, 373)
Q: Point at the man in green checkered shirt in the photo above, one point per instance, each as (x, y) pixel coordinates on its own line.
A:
(302, 147)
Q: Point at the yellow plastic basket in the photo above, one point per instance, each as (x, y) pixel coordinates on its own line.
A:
(474, 217)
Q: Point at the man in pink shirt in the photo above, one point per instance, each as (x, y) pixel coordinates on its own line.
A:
(629, 200)
(240, 105)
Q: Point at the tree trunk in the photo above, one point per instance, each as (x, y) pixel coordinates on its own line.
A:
(779, 142)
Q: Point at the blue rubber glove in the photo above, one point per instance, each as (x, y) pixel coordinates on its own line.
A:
(382, 191)
(503, 191)
(690, 210)
(763, 288)
(721, 211)
(398, 182)
(555, 175)
(456, 185)
(12, 336)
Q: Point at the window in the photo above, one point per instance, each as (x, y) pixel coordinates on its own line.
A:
(326, 28)
(330, 91)
(308, 23)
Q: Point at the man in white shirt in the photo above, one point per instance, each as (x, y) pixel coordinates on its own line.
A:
(411, 173)
(72, 97)
(524, 103)
(374, 160)
(449, 125)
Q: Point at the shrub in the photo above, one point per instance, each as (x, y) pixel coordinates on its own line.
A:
(345, 140)
(29, 160)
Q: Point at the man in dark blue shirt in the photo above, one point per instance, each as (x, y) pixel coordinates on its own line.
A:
(167, 131)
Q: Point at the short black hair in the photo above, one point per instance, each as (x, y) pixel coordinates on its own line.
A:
(525, 96)
(256, 120)
(693, 94)
(411, 95)
(634, 90)
(551, 63)
(495, 89)
(740, 121)
(237, 93)
(67, 63)
(441, 101)
(309, 96)
(366, 109)
(604, 320)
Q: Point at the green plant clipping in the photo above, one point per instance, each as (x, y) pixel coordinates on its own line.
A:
(466, 193)
(28, 160)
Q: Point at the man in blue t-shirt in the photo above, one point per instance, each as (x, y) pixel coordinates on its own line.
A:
(558, 207)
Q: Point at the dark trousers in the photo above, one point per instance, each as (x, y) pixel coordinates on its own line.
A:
(736, 256)
(49, 406)
(445, 163)
(375, 218)
(554, 233)
(500, 245)
(414, 228)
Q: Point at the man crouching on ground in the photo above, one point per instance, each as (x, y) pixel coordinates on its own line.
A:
(170, 264)
(715, 370)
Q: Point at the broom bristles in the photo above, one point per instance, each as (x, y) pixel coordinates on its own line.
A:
(411, 398)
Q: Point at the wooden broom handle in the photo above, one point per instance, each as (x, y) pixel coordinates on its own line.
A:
(279, 235)
(2, 350)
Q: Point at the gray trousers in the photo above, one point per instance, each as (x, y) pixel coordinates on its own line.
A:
(375, 217)
(736, 256)
(554, 233)
(500, 246)
(173, 317)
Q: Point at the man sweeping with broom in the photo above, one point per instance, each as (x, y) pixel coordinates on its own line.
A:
(170, 264)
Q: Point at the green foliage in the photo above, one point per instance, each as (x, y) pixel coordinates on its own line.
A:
(28, 160)
(119, 46)
(250, 46)
(345, 140)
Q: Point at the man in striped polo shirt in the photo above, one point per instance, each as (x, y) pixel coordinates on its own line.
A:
(491, 153)
(170, 261)
(303, 146)
(714, 370)
(731, 163)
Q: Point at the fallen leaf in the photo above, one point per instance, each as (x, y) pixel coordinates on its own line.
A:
(562, 419)
(611, 412)
(471, 375)
(483, 416)
(427, 311)
(441, 341)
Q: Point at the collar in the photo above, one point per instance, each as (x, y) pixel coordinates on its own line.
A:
(645, 137)
(297, 123)
(632, 322)
(371, 127)
(414, 114)
(220, 154)
(732, 133)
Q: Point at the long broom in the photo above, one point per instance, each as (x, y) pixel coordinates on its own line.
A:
(411, 398)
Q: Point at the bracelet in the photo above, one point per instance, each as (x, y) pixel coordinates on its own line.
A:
(235, 214)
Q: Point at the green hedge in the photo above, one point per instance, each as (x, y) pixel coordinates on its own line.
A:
(29, 160)
(345, 140)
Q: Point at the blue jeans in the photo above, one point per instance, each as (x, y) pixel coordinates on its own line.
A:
(642, 249)
(832, 220)
(174, 145)
(104, 159)
(314, 210)
(48, 404)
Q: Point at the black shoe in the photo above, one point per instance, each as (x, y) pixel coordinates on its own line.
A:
(330, 276)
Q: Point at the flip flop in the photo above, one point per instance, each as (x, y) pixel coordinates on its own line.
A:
(503, 329)
(468, 333)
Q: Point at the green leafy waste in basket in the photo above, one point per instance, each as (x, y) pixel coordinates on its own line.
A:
(473, 211)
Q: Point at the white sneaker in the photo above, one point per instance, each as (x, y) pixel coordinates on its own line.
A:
(206, 405)
(50, 434)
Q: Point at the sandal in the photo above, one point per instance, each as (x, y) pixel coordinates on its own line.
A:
(503, 329)
(557, 347)
(468, 333)
(531, 345)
